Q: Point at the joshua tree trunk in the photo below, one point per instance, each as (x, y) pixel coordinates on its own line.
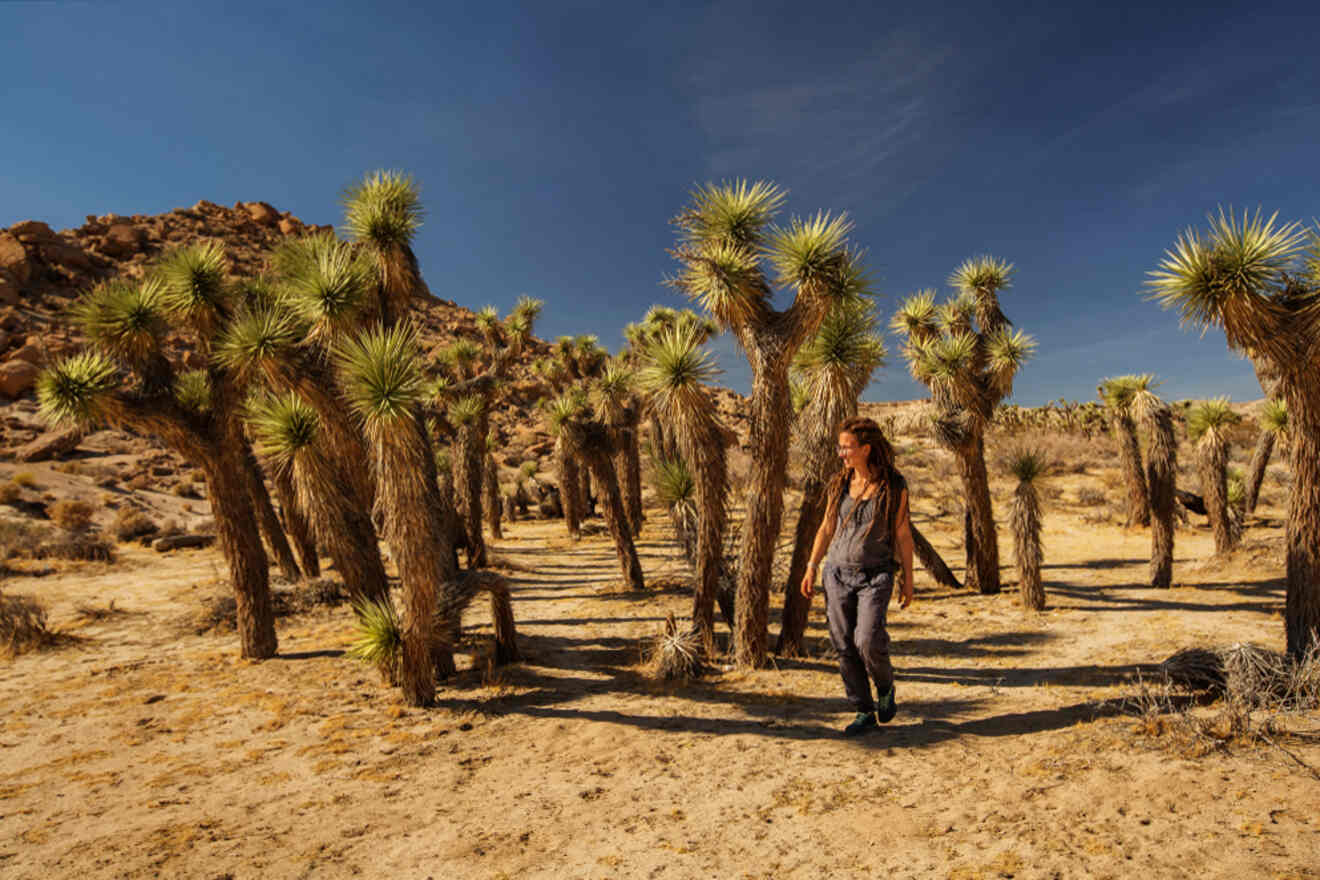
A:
(771, 412)
(1161, 472)
(793, 623)
(568, 489)
(586, 503)
(1125, 432)
(468, 479)
(1260, 459)
(932, 561)
(1214, 489)
(1026, 535)
(983, 558)
(712, 480)
(267, 520)
(492, 503)
(295, 523)
(628, 463)
(1302, 612)
(616, 517)
(341, 525)
(240, 539)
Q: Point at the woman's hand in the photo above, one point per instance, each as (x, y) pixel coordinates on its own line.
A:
(809, 582)
(905, 592)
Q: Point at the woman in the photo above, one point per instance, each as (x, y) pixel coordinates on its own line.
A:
(869, 539)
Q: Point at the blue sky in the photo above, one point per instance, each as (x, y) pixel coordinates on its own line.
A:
(554, 141)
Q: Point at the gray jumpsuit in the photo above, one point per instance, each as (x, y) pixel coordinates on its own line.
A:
(859, 580)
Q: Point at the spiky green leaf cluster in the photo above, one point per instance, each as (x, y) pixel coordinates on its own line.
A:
(258, 340)
(981, 276)
(811, 252)
(384, 210)
(1274, 417)
(1212, 417)
(466, 410)
(379, 639)
(329, 285)
(283, 425)
(1121, 393)
(380, 371)
(565, 408)
(460, 357)
(738, 212)
(674, 483)
(75, 390)
(123, 319)
(193, 284)
(193, 390)
(1026, 463)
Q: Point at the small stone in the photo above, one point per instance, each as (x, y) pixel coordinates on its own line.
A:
(17, 377)
(262, 213)
(14, 259)
(32, 231)
(122, 240)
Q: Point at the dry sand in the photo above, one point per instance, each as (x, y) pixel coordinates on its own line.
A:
(145, 752)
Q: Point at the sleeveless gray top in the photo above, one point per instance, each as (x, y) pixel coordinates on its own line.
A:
(860, 543)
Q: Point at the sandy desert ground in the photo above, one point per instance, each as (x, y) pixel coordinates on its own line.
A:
(146, 750)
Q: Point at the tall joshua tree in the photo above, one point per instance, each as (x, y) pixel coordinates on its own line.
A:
(965, 353)
(1257, 281)
(1161, 476)
(383, 212)
(833, 368)
(1027, 465)
(1273, 424)
(1118, 395)
(1207, 426)
(726, 244)
(675, 370)
(126, 380)
(618, 407)
(383, 385)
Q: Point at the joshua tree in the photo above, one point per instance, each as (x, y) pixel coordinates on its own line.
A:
(1273, 424)
(469, 471)
(1118, 394)
(726, 242)
(383, 213)
(561, 409)
(1161, 476)
(619, 408)
(1027, 465)
(127, 381)
(491, 487)
(1244, 276)
(1207, 427)
(678, 493)
(588, 440)
(833, 368)
(965, 353)
(675, 371)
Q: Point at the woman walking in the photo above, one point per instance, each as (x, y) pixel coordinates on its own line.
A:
(865, 539)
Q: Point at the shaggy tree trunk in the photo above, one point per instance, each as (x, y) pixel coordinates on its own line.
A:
(793, 620)
(419, 543)
(295, 523)
(267, 520)
(586, 501)
(1302, 611)
(1260, 459)
(568, 489)
(240, 540)
(1125, 432)
(492, 504)
(341, 525)
(1026, 536)
(469, 475)
(628, 463)
(771, 412)
(1214, 489)
(984, 557)
(711, 479)
(1161, 473)
(932, 561)
(616, 517)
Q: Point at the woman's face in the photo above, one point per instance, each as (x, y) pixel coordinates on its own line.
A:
(853, 455)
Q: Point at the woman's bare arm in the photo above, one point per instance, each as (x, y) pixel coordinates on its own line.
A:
(824, 534)
(903, 544)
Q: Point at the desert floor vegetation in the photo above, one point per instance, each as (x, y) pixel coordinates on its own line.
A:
(1028, 744)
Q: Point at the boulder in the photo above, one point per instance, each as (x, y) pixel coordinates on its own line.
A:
(33, 232)
(30, 352)
(9, 295)
(63, 253)
(122, 240)
(17, 377)
(175, 542)
(50, 445)
(290, 226)
(14, 259)
(262, 213)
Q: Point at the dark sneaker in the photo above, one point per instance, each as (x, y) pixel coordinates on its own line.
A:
(865, 721)
(886, 707)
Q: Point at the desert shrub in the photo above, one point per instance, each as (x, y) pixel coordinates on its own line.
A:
(185, 488)
(141, 482)
(71, 514)
(23, 626)
(83, 546)
(674, 654)
(24, 479)
(131, 524)
(21, 538)
(10, 492)
(1089, 497)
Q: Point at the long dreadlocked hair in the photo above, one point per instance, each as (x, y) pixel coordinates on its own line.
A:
(881, 462)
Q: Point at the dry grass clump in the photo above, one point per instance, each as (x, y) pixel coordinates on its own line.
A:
(131, 524)
(24, 479)
(10, 492)
(71, 514)
(674, 655)
(1208, 698)
(1090, 497)
(23, 626)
